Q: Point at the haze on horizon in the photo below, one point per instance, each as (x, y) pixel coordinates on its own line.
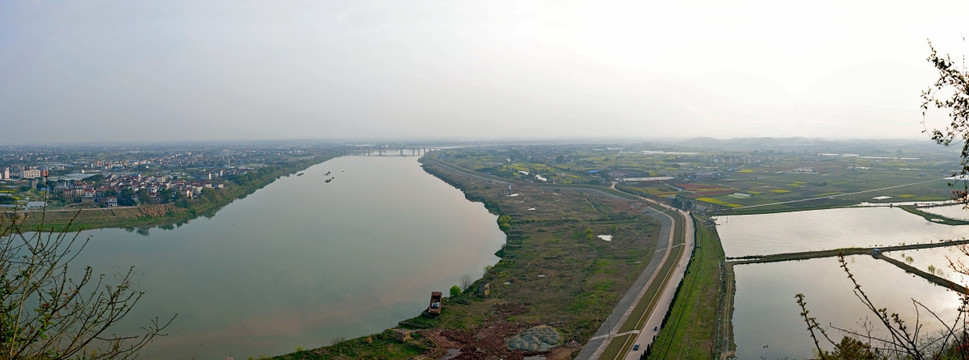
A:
(227, 70)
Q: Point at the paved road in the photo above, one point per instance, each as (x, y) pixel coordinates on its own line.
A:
(655, 313)
(655, 318)
(627, 304)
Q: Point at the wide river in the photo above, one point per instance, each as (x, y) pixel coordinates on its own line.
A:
(766, 320)
(302, 262)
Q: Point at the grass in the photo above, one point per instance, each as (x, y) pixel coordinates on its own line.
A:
(366, 347)
(584, 279)
(647, 304)
(691, 331)
(617, 346)
(939, 219)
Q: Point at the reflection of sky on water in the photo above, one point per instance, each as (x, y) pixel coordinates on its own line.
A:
(828, 229)
(301, 261)
(958, 212)
(766, 312)
(938, 259)
(766, 318)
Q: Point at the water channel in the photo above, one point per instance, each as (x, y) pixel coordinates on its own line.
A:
(302, 261)
(771, 327)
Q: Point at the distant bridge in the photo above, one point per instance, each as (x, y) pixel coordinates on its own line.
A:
(388, 150)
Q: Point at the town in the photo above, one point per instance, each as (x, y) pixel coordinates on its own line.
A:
(101, 176)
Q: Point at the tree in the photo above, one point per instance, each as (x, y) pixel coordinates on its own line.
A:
(47, 314)
(455, 291)
(166, 195)
(903, 341)
(950, 93)
(144, 197)
(126, 198)
(466, 281)
(504, 222)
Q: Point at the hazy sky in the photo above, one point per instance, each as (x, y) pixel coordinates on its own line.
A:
(197, 70)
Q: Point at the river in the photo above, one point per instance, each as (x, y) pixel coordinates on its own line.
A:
(302, 262)
(771, 327)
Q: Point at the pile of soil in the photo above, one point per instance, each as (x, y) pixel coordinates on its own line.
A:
(490, 340)
(539, 338)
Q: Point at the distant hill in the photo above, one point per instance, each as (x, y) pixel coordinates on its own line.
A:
(797, 144)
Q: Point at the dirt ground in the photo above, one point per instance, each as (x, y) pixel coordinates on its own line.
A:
(489, 340)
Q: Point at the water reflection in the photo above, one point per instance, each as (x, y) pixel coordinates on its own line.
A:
(828, 229)
(301, 261)
(771, 326)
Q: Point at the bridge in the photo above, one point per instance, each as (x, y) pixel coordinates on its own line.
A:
(390, 150)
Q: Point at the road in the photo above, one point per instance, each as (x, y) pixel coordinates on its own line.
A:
(654, 319)
(665, 270)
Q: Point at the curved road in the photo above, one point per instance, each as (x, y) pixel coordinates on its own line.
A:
(667, 266)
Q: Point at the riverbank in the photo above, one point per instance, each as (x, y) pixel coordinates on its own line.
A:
(163, 215)
(933, 217)
(554, 271)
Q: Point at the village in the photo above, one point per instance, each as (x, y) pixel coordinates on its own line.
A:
(99, 177)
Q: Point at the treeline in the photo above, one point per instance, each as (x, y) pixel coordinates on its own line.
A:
(176, 209)
(241, 185)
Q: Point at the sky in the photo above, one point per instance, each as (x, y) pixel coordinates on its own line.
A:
(103, 70)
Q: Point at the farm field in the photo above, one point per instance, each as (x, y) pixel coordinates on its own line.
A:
(715, 181)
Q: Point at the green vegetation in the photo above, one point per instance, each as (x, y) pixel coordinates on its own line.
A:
(737, 178)
(550, 271)
(46, 313)
(504, 222)
(690, 332)
(177, 212)
(934, 217)
(554, 269)
(377, 346)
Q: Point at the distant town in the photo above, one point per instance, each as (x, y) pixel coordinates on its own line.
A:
(88, 177)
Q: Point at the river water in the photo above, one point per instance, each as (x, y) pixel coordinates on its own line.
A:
(771, 327)
(302, 262)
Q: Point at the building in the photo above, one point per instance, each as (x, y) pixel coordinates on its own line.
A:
(31, 174)
(5, 174)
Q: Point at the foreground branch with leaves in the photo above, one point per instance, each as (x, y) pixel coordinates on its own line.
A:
(901, 342)
(950, 93)
(47, 314)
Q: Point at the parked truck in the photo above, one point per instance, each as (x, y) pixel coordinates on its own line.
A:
(434, 308)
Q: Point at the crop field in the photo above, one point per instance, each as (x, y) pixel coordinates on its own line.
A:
(554, 270)
(735, 181)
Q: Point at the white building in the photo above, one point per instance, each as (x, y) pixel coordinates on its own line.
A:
(31, 174)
